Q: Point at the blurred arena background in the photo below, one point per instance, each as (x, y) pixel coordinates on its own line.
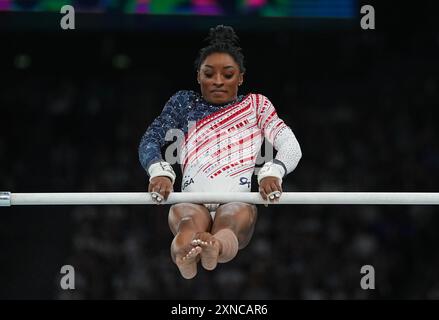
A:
(74, 105)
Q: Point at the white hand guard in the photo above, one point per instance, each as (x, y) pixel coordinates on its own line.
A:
(271, 169)
(160, 169)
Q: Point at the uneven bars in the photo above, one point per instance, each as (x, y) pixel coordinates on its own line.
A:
(8, 199)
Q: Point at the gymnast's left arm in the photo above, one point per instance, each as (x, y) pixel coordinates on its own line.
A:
(288, 149)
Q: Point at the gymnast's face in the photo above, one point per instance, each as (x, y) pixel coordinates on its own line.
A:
(219, 77)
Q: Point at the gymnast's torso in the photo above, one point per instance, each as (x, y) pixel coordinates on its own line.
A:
(220, 143)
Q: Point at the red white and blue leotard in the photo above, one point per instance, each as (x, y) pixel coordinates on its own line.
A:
(221, 142)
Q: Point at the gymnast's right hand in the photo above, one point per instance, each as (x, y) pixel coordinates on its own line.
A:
(162, 178)
(160, 188)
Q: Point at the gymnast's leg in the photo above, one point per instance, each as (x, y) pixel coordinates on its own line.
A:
(232, 230)
(185, 221)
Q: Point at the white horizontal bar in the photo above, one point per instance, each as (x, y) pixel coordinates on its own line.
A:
(142, 198)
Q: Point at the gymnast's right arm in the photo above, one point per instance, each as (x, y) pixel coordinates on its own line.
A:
(161, 175)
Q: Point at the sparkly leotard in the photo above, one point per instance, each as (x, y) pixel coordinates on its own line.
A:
(218, 144)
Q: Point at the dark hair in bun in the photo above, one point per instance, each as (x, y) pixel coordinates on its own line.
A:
(222, 39)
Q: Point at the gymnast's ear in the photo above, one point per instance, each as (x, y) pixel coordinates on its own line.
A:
(198, 77)
(241, 79)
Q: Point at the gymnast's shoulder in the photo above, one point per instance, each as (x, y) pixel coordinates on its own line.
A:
(184, 96)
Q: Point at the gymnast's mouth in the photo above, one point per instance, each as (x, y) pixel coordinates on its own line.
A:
(218, 91)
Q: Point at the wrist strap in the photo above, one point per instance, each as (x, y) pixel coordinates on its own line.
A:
(161, 169)
(271, 169)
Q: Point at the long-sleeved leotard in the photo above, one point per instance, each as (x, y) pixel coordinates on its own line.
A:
(220, 143)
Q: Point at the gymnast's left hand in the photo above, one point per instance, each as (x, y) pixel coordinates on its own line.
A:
(161, 187)
(270, 189)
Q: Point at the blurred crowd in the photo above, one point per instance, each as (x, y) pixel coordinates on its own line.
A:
(365, 113)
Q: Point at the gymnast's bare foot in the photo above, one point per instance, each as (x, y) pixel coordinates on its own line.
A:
(211, 249)
(186, 261)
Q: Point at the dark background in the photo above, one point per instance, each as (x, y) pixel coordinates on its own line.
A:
(363, 105)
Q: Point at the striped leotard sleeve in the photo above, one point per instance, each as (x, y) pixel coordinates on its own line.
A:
(278, 134)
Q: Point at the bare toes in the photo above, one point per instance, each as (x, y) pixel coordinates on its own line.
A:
(187, 263)
(209, 253)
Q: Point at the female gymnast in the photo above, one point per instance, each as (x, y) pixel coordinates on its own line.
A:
(218, 154)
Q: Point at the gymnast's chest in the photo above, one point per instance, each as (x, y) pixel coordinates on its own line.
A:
(228, 125)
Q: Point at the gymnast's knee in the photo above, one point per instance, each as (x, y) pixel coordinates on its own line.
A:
(238, 217)
(239, 214)
(187, 215)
